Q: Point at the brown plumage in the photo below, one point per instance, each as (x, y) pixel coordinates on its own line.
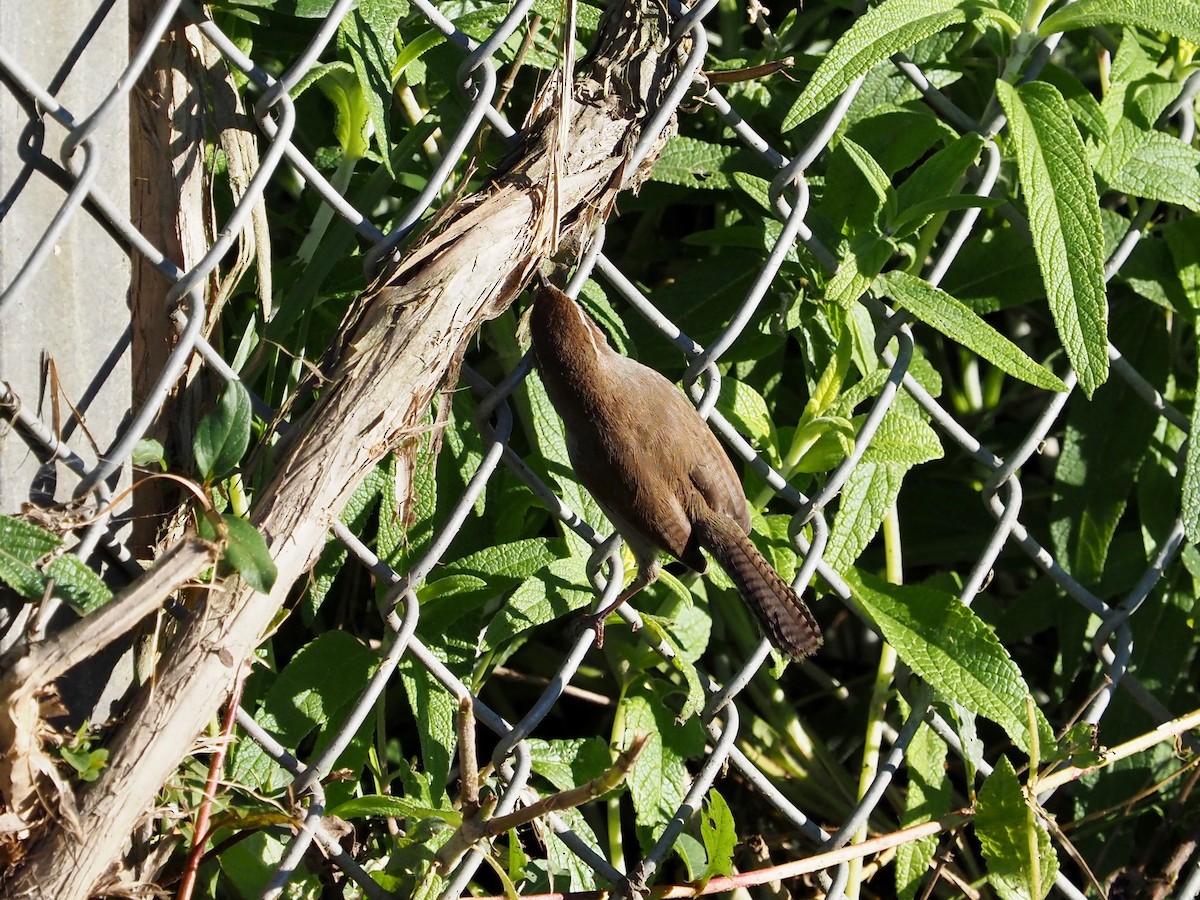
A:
(655, 468)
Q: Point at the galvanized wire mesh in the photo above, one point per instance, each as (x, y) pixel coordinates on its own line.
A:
(70, 158)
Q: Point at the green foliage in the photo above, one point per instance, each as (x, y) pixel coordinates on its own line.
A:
(1084, 154)
(224, 434)
(31, 560)
(1016, 845)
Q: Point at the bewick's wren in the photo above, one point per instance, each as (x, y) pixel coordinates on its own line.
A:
(655, 468)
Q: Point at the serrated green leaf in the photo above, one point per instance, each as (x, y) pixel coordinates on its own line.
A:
(434, 715)
(904, 438)
(1152, 164)
(246, 552)
(694, 695)
(78, 584)
(747, 411)
(316, 687)
(693, 163)
(866, 497)
(224, 434)
(936, 308)
(561, 588)
(758, 189)
(1020, 857)
(881, 32)
(21, 545)
(571, 762)
(1178, 17)
(719, 833)
(876, 178)
(1064, 220)
(659, 778)
(862, 261)
(952, 649)
(367, 33)
(928, 797)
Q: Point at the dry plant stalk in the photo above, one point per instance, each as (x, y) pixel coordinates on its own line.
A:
(403, 343)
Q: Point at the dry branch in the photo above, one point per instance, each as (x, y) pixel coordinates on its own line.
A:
(402, 344)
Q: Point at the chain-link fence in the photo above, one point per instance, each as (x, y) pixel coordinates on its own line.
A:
(70, 157)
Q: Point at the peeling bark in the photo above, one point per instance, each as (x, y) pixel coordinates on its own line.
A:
(401, 345)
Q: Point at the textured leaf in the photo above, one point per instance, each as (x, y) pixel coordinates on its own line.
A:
(1178, 17)
(950, 647)
(1064, 220)
(862, 261)
(1021, 860)
(719, 834)
(882, 31)
(928, 796)
(1152, 164)
(559, 589)
(866, 498)
(320, 682)
(693, 163)
(954, 319)
(78, 584)
(659, 778)
(22, 545)
(747, 411)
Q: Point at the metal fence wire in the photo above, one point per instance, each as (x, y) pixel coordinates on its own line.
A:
(70, 155)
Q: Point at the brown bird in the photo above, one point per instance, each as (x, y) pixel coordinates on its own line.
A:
(656, 469)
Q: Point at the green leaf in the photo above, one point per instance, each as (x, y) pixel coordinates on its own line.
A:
(954, 319)
(570, 762)
(952, 649)
(434, 712)
(224, 434)
(719, 834)
(320, 683)
(860, 264)
(659, 778)
(881, 32)
(368, 35)
(1180, 18)
(1152, 164)
(1064, 220)
(928, 796)
(77, 584)
(22, 545)
(86, 763)
(876, 178)
(693, 163)
(904, 437)
(1105, 441)
(747, 411)
(149, 452)
(694, 697)
(561, 588)
(246, 552)
(866, 497)
(1015, 843)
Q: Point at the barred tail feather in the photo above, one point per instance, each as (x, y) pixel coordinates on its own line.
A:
(786, 618)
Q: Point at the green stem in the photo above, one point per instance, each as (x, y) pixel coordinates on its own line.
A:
(881, 692)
